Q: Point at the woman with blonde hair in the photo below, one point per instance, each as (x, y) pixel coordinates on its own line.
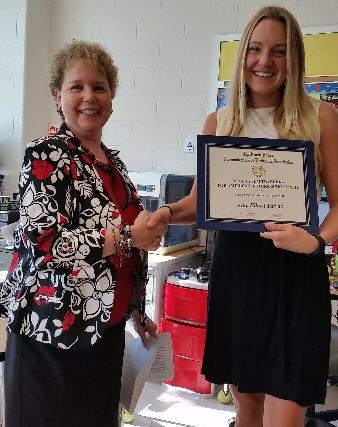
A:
(268, 328)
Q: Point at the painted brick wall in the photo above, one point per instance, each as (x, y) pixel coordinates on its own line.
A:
(163, 50)
(12, 39)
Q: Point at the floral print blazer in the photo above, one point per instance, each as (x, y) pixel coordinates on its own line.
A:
(60, 289)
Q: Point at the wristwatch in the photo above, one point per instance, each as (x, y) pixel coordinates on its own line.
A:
(321, 245)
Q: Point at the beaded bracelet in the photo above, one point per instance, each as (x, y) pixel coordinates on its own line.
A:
(129, 240)
(126, 242)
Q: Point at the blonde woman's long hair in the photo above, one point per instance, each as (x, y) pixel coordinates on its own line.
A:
(295, 117)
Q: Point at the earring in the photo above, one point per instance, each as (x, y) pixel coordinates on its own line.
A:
(59, 110)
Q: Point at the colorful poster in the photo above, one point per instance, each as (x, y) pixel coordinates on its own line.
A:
(325, 91)
(222, 94)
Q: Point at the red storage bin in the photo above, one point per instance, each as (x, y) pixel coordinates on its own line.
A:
(187, 374)
(187, 340)
(185, 304)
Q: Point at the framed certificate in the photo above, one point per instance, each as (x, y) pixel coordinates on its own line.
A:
(243, 183)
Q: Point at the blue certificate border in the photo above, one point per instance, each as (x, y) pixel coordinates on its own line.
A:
(205, 142)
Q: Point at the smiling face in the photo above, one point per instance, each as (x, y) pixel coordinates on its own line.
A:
(265, 64)
(85, 99)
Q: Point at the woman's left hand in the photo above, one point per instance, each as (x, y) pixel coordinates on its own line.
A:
(149, 328)
(290, 237)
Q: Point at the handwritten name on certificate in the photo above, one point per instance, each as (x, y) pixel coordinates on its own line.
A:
(243, 183)
(256, 184)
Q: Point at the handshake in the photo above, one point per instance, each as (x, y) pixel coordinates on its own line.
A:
(149, 228)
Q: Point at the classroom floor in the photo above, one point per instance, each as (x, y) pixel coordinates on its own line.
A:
(161, 405)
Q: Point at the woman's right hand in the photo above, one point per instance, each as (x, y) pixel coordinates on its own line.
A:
(142, 236)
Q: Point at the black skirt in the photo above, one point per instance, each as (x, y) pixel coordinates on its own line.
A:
(269, 314)
(48, 386)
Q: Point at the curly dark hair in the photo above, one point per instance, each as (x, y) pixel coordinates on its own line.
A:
(79, 49)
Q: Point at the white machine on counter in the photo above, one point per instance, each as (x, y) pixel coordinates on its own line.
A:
(191, 268)
(159, 267)
(158, 189)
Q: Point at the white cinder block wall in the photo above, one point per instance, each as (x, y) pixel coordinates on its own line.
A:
(163, 50)
(12, 47)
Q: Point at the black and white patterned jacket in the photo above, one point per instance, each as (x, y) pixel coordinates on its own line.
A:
(59, 289)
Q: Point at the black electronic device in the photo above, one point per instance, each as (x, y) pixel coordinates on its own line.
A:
(158, 189)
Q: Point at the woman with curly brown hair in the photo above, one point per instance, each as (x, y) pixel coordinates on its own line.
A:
(79, 265)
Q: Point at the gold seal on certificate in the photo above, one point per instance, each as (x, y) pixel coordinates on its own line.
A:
(244, 182)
